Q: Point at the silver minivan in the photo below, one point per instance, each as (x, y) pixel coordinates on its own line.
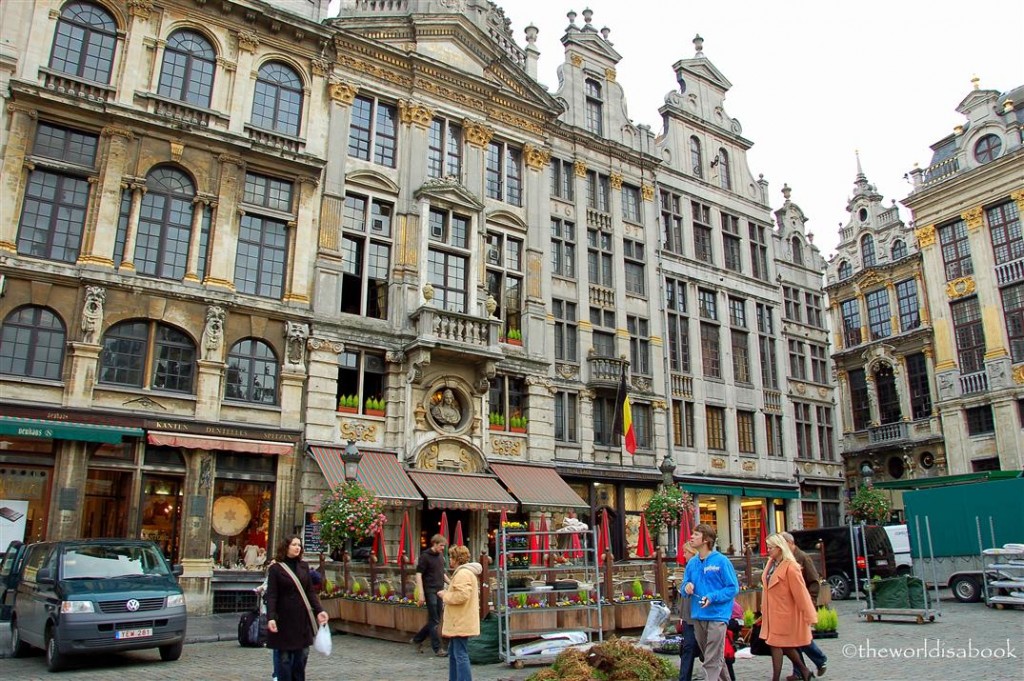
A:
(97, 595)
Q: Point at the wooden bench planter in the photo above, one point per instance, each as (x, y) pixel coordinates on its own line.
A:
(353, 611)
(381, 615)
(525, 619)
(575, 618)
(631, 615)
(332, 606)
(410, 619)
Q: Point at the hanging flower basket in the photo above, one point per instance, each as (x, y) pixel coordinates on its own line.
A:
(667, 507)
(349, 512)
(870, 505)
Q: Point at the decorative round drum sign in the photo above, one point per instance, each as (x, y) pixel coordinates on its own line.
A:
(231, 515)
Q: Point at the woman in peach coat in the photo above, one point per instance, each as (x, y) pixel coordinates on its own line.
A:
(787, 612)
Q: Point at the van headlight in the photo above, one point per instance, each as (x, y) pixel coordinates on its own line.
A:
(176, 601)
(72, 607)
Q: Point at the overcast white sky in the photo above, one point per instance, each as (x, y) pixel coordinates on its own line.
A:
(813, 80)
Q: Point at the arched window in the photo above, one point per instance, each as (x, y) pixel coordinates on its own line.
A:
(595, 106)
(83, 45)
(899, 249)
(867, 250)
(148, 354)
(165, 225)
(845, 270)
(32, 344)
(187, 72)
(696, 157)
(723, 172)
(798, 251)
(252, 372)
(277, 104)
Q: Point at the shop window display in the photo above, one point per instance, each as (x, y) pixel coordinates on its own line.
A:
(161, 513)
(241, 524)
(25, 494)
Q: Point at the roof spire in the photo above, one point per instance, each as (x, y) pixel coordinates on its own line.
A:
(860, 171)
(698, 45)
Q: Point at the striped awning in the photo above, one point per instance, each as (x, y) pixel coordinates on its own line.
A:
(538, 488)
(218, 444)
(378, 471)
(463, 491)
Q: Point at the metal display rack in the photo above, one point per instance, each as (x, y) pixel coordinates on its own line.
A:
(872, 613)
(517, 581)
(1004, 576)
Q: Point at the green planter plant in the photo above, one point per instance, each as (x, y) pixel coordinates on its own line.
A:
(828, 623)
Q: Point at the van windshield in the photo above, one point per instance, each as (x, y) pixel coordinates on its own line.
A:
(112, 560)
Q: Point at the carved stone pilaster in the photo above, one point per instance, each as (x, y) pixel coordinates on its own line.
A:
(477, 134)
(323, 344)
(296, 334)
(925, 236)
(580, 167)
(974, 217)
(609, 74)
(394, 357)
(537, 158)
(248, 41)
(342, 93)
(576, 60)
(321, 66)
(411, 113)
(118, 131)
(615, 180)
(140, 8)
(647, 192)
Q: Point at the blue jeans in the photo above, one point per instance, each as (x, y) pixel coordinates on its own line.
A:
(292, 665)
(688, 652)
(433, 626)
(277, 663)
(458, 659)
(814, 653)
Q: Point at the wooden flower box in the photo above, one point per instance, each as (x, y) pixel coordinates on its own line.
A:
(410, 619)
(631, 615)
(353, 611)
(575, 618)
(381, 615)
(332, 606)
(532, 619)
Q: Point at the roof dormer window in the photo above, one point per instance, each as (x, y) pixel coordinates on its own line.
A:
(987, 149)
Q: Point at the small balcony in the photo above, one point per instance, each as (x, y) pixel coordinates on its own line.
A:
(275, 140)
(65, 84)
(888, 432)
(456, 333)
(1010, 272)
(773, 401)
(682, 386)
(971, 384)
(605, 372)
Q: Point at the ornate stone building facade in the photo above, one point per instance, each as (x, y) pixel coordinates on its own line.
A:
(246, 237)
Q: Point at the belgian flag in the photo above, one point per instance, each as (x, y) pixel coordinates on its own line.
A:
(623, 423)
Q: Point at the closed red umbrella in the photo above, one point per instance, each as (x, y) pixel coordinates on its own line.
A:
(685, 530)
(604, 536)
(402, 537)
(443, 531)
(545, 539)
(457, 540)
(764, 530)
(534, 545)
(577, 547)
(644, 546)
(378, 546)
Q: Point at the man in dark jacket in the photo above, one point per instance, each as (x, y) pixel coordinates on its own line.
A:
(430, 580)
(813, 583)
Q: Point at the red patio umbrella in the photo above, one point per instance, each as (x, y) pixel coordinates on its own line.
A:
(685, 530)
(604, 537)
(764, 530)
(443, 531)
(457, 540)
(545, 539)
(378, 546)
(402, 537)
(534, 545)
(577, 546)
(644, 546)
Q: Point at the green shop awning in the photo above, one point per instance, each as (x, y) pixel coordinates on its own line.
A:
(697, 488)
(61, 430)
(769, 493)
(944, 480)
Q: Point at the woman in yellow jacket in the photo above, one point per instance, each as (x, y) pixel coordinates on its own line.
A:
(461, 612)
(787, 610)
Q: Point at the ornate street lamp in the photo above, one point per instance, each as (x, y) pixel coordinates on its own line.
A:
(867, 472)
(350, 457)
(667, 537)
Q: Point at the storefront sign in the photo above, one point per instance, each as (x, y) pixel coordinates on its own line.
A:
(57, 430)
(216, 430)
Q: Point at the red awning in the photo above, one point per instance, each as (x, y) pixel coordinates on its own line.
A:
(463, 491)
(538, 488)
(221, 444)
(378, 471)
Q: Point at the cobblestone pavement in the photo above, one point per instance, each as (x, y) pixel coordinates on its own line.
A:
(873, 651)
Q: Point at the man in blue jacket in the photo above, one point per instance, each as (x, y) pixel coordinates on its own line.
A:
(711, 582)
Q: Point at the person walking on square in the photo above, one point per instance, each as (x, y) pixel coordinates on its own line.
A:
(430, 579)
(813, 582)
(688, 650)
(462, 612)
(787, 612)
(290, 600)
(710, 581)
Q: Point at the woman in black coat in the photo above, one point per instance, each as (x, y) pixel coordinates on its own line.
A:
(289, 630)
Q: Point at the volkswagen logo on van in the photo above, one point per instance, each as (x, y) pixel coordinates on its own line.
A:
(132, 605)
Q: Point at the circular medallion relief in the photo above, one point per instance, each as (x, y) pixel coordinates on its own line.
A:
(448, 409)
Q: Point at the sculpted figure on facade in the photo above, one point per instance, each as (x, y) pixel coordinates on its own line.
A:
(92, 313)
(213, 334)
(447, 412)
(296, 335)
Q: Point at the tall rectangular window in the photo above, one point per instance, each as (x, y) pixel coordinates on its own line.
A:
(373, 129)
(859, 399)
(604, 418)
(956, 250)
(1013, 314)
(791, 309)
(773, 434)
(804, 430)
(444, 149)
(1004, 227)
(758, 251)
(672, 221)
(920, 390)
(707, 303)
(738, 312)
(980, 420)
(563, 179)
(262, 256)
(766, 346)
(642, 426)
(678, 332)
(745, 431)
(563, 248)
(598, 191)
(594, 106)
(566, 416)
(819, 363)
(634, 256)
(639, 344)
(505, 270)
(740, 357)
(879, 319)
(798, 360)
(711, 355)
(682, 423)
(716, 427)
(507, 397)
(631, 204)
(599, 257)
(826, 443)
(850, 311)
(970, 336)
(503, 173)
(731, 245)
(815, 317)
(448, 259)
(603, 336)
(366, 256)
(56, 198)
(702, 249)
(566, 330)
(906, 300)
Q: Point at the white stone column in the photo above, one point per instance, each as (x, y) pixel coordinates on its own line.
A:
(303, 238)
(199, 206)
(241, 92)
(15, 173)
(138, 189)
(220, 267)
(131, 78)
(321, 395)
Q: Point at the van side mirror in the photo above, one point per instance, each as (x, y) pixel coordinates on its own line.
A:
(44, 576)
(177, 570)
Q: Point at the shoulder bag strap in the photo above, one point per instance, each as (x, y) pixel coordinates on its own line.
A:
(302, 592)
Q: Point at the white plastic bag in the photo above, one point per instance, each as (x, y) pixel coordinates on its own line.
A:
(656, 619)
(322, 642)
